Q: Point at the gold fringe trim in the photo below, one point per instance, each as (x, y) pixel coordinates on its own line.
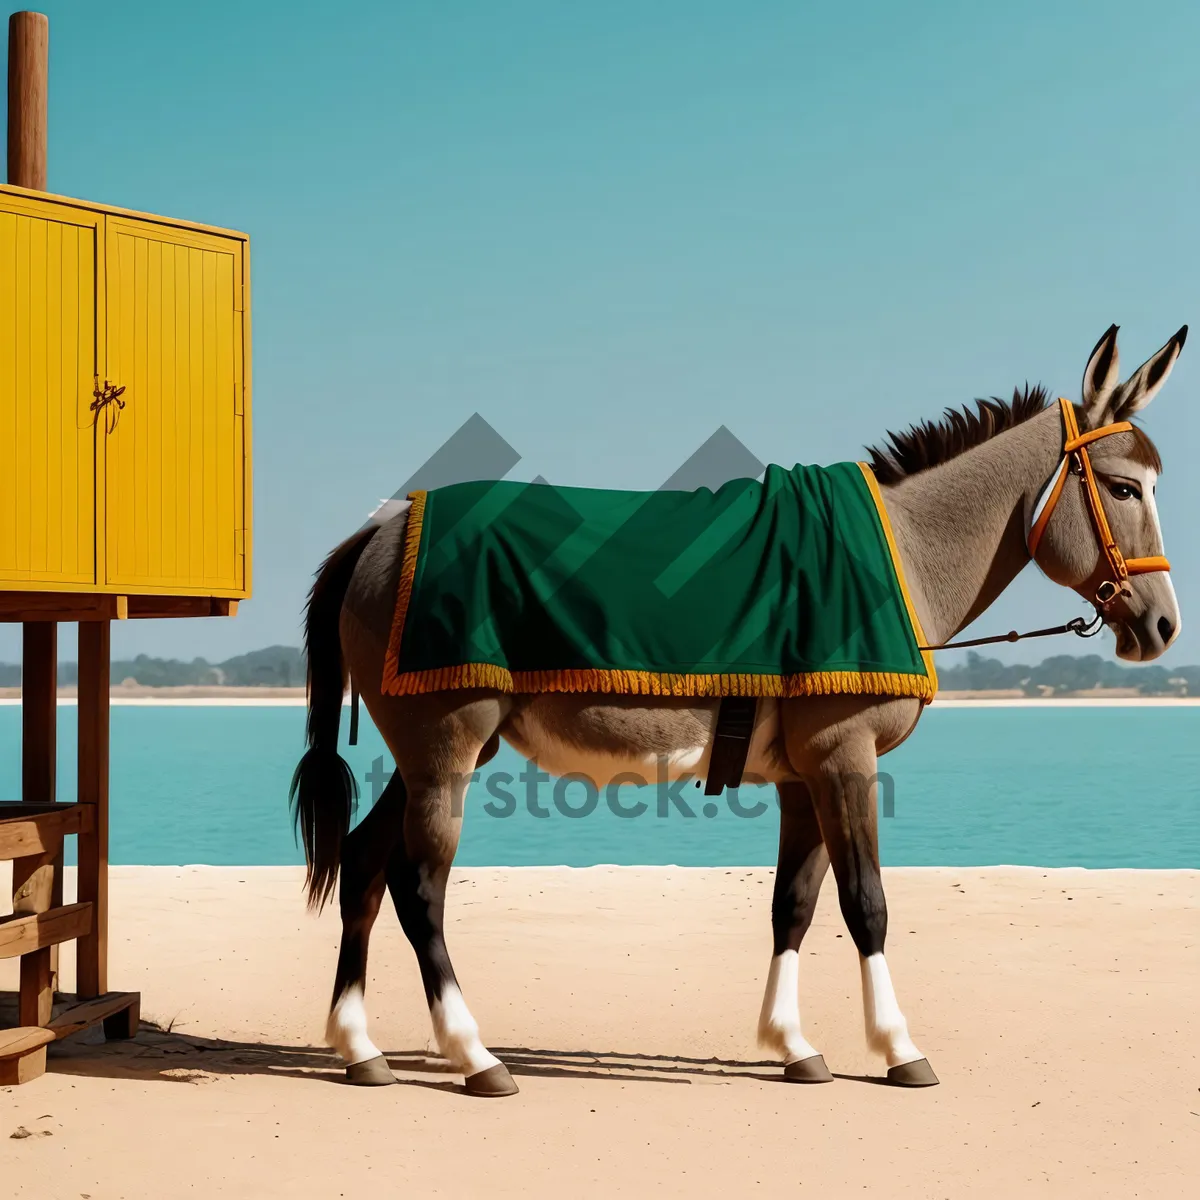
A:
(650, 683)
(898, 566)
(408, 571)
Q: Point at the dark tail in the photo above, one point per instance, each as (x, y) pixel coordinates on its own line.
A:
(324, 790)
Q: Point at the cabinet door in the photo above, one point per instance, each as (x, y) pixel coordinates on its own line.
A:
(173, 512)
(48, 343)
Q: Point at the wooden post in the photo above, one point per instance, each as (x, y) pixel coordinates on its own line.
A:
(37, 880)
(28, 89)
(39, 710)
(92, 949)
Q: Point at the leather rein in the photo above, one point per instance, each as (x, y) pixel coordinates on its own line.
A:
(1075, 461)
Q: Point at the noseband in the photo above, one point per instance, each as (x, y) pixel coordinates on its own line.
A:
(1075, 461)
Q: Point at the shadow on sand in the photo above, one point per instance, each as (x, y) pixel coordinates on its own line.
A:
(171, 1057)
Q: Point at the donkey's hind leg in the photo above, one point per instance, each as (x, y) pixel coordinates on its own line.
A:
(417, 875)
(803, 862)
(365, 853)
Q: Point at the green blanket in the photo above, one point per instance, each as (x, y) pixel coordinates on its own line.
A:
(786, 587)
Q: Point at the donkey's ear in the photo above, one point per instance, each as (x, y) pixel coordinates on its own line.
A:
(1100, 378)
(1142, 386)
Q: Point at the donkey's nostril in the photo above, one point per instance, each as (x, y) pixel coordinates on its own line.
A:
(1165, 629)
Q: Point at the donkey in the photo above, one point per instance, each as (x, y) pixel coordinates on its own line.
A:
(963, 495)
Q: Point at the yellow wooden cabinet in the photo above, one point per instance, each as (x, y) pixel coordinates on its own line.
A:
(146, 492)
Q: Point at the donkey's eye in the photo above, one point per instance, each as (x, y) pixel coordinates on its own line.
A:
(1124, 491)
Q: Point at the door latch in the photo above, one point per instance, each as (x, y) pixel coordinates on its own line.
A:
(107, 399)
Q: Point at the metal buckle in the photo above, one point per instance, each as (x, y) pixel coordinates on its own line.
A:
(1109, 591)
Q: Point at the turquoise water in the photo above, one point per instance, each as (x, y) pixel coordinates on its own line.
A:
(1108, 787)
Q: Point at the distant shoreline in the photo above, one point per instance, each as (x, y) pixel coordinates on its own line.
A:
(198, 695)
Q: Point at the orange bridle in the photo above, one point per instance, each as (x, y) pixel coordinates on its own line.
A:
(1075, 461)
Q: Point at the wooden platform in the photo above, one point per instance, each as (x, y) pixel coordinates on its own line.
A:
(32, 831)
(23, 1047)
(94, 606)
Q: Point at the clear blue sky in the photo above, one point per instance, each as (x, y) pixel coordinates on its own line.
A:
(611, 227)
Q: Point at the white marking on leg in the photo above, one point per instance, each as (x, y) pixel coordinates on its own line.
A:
(887, 1030)
(457, 1033)
(779, 1022)
(346, 1029)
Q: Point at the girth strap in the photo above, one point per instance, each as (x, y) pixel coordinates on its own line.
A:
(731, 743)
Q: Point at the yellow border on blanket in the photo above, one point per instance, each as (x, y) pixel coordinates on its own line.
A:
(885, 521)
(408, 571)
(644, 683)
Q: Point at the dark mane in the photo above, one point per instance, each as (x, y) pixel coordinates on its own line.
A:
(932, 443)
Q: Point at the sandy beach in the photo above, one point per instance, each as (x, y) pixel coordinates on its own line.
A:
(1060, 1009)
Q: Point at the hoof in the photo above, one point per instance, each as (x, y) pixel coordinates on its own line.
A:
(913, 1074)
(374, 1072)
(495, 1081)
(808, 1070)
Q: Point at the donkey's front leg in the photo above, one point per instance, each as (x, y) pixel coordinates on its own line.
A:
(802, 866)
(844, 795)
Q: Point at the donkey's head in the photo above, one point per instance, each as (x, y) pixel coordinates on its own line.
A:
(1129, 581)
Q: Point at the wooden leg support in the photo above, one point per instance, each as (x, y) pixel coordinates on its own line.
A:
(92, 950)
(37, 878)
(124, 1025)
(37, 881)
(23, 1069)
(33, 892)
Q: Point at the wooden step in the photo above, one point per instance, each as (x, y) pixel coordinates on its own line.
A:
(23, 1049)
(24, 934)
(23, 1039)
(125, 1005)
(23, 1054)
(27, 829)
